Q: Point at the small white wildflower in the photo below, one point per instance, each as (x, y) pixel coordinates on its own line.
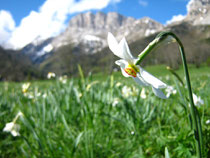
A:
(118, 84)
(197, 100)
(44, 95)
(207, 122)
(126, 91)
(132, 132)
(170, 90)
(115, 102)
(12, 127)
(25, 87)
(19, 114)
(37, 93)
(29, 95)
(80, 95)
(51, 75)
(143, 94)
(63, 79)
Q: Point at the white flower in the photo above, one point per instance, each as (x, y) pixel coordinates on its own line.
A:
(126, 91)
(29, 95)
(115, 102)
(197, 100)
(44, 95)
(129, 69)
(50, 75)
(132, 132)
(170, 90)
(18, 114)
(63, 79)
(13, 128)
(80, 95)
(143, 94)
(207, 122)
(25, 87)
(118, 84)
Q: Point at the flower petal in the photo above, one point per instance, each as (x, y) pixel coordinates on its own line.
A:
(125, 51)
(159, 93)
(15, 133)
(122, 63)
(139, 80)
(153, 81)
(8, 127)
(114, 46)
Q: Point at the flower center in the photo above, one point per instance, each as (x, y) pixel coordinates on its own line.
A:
(131, 70)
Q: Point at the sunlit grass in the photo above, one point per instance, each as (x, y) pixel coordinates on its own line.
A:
(95, 119)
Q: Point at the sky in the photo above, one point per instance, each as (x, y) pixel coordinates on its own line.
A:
(22, 21)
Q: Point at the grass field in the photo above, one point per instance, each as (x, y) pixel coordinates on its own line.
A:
(103, 116)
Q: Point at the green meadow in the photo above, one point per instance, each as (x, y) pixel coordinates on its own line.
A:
(103, 116)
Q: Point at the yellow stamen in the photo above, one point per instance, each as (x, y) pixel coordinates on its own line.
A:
(131, 70)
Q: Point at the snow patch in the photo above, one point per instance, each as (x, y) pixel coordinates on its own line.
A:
(149, 32)
(91, 38)
(146, 21)
(48, 48)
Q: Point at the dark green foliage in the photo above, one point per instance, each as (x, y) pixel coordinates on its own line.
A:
(16, 67)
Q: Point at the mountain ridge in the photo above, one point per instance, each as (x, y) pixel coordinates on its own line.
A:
(89, 31)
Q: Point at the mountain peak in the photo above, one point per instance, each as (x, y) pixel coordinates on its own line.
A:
(198, 12)
(99, 20)
(88, 31)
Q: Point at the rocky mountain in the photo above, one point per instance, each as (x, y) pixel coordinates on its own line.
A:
(89, 27)
(195, 39)
(87, 34)
(38, 50)
(198, 12)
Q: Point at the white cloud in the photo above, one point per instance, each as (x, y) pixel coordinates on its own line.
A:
(7, 25)
(50, 19)
(176, 18)
(143, 3)
(189, 5)
(180, 16)
(88, 4)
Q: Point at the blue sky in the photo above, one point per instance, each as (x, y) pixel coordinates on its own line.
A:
(159, 10)
(20, 16)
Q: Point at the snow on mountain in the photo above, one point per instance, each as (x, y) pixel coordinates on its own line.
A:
(88, 32)
(198, 12)
(91, 38)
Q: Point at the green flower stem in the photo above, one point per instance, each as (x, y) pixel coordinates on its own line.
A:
(159, 39)
(194, 114)
(148, 49)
